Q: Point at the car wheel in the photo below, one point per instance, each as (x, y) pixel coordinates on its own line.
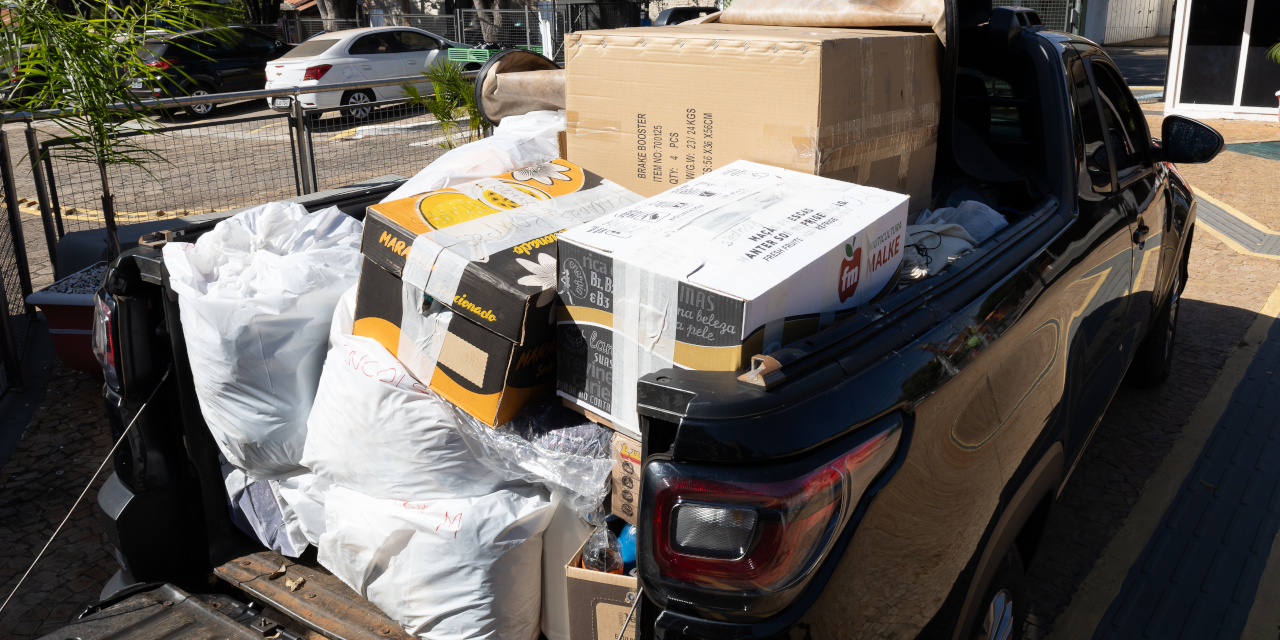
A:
(1153, 362)
(1004, 606)
(358, 104)
(202, 109)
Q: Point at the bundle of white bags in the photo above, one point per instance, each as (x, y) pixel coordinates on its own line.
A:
(329, 441)
(414, 521)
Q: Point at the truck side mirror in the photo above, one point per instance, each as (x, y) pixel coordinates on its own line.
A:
(1187, 141)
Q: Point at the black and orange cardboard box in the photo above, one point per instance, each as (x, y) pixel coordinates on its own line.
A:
(459, 283)
(600, 603)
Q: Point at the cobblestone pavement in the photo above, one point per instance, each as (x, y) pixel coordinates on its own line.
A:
(1224, 292)
(58, 454)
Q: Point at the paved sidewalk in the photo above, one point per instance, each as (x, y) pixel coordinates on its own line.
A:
(1198, 573)
(57, 455)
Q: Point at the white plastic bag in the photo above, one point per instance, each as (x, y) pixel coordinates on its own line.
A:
(256, 296)
(301, 500)
(377, 430)
(516, 143)
(444, 569)
(517, 452)
(977, 219)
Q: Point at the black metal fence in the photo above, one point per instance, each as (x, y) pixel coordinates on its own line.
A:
(541, 27)
(205, 167)
(385, 137)
(15, 278)
(226, 164)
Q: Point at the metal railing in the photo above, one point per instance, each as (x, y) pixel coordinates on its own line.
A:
(229, 163)
(15, 279)
(1055, 14)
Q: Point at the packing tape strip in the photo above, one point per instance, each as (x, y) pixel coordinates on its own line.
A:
(437, 259)
(644, 310)
(419, 262)
(421, 334)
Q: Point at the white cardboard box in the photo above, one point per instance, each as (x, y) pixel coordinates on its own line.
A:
(740, 261)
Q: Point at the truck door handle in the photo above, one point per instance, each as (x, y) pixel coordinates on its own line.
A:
(1140, 234)
(367, 67)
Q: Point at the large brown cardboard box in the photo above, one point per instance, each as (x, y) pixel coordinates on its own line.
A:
(600, 602)
(654, 107)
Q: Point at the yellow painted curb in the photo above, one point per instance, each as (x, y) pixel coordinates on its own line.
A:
(1100, 588)
(95, 215)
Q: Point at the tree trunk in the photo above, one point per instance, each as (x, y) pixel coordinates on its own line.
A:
(490, 19)
(109, 214)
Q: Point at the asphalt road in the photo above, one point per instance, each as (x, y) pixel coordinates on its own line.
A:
(1141, 66)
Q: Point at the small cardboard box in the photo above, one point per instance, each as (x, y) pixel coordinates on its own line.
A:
(625, 495)
(486, 249)
(600, 602)
(482, 372)
(741, 261)
(655, 107)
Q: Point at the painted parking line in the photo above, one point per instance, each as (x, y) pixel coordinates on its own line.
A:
(1094, 597)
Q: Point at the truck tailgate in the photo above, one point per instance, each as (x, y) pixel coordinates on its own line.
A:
(323, 603)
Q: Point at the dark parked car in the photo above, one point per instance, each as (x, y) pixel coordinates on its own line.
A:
(199, 63)
(894, 471)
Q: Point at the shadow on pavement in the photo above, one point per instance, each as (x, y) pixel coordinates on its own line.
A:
(1132, 440)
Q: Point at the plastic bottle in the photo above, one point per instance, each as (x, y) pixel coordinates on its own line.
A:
(627, 540)
(602, 553)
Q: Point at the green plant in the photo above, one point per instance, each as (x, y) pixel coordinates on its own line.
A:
(80, 68)
(1274, 53)
(453, 99)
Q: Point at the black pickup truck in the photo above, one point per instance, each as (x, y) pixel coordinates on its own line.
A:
(895, 470)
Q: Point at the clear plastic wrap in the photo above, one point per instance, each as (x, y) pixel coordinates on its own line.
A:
(550, 444)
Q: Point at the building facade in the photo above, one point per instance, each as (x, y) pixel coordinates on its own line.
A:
(1219, 62)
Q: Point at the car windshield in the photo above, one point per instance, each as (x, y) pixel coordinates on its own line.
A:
(311, 48)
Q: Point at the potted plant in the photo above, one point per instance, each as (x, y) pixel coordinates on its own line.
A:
(79, 68)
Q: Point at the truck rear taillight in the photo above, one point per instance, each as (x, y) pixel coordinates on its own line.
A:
(104, 340)
(741, 544)
(316, 72)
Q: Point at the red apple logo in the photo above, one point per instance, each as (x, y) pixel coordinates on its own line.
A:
(849, 271)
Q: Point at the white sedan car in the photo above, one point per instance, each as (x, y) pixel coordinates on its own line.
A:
(372, 53)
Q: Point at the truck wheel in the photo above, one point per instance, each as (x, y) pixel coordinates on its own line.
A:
(1154, 360)
(1004, 611)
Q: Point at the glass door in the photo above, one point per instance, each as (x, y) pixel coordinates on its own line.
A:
(1222, 62)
